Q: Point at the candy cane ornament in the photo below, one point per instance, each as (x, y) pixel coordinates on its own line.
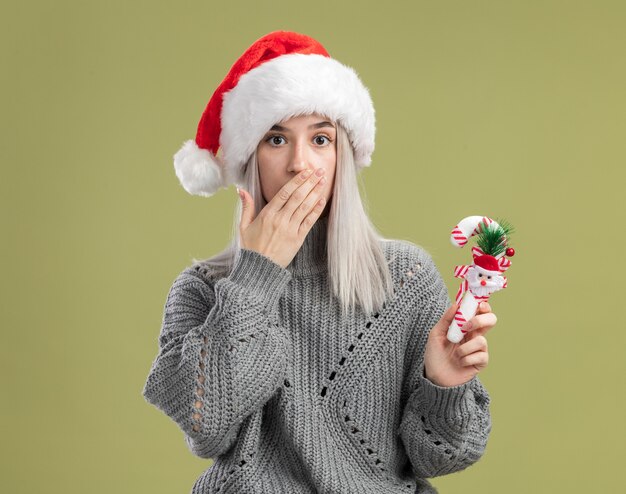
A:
(484, 276)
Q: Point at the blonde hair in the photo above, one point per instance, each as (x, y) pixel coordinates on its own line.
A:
(358, 273)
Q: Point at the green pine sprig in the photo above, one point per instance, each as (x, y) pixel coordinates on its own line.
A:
(493, 240)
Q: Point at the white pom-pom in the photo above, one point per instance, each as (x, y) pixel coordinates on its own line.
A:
(199, 171)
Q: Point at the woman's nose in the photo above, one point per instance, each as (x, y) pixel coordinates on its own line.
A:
(299, 160)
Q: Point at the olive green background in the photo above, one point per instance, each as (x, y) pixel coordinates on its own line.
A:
(513, 110)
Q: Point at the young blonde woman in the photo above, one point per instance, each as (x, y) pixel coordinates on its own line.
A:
(310, 356)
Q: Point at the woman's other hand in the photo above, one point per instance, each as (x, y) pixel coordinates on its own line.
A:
(451, 364)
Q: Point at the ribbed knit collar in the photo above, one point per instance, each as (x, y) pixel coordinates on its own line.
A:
(312, 256)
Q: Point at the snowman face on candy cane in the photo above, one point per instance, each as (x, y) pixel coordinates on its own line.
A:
(483, 282)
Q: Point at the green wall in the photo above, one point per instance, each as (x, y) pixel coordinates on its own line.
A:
(511, 109)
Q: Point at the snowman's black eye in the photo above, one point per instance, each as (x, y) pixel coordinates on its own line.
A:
(480, 275)
(489, 277)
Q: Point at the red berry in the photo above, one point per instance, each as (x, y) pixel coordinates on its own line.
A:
(510, 252)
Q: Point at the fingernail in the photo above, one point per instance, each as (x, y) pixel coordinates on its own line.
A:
(466, 327)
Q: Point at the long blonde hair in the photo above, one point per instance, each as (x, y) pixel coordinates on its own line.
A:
(357, 269)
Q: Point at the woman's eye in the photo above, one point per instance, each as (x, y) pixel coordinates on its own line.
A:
(272, 141)
(322, 137)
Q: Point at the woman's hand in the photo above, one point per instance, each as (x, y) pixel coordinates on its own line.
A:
(451, 364)
(279, 230)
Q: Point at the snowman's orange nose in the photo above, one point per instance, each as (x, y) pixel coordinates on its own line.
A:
(483, 282)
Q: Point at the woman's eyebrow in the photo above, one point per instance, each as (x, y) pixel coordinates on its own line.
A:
(318, 125)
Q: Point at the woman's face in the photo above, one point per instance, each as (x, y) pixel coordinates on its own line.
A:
(293, 145)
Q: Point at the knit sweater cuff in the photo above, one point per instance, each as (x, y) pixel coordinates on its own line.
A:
(447, 402)
(261, 276)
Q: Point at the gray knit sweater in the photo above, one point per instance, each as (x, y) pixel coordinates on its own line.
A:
(262, 373)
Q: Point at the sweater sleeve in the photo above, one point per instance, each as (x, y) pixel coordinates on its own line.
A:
(443, 429)
(222, 353)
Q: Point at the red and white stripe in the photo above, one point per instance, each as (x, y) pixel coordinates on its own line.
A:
(504, 263)
(460, 320)
(468, 227)
(458, 236)
(460, 271)
(463, 287)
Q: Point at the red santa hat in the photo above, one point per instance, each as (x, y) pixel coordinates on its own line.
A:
(488, 263)
(281, 75)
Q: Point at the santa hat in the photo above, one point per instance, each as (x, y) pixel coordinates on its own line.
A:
(281, 75)
(488, 263)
